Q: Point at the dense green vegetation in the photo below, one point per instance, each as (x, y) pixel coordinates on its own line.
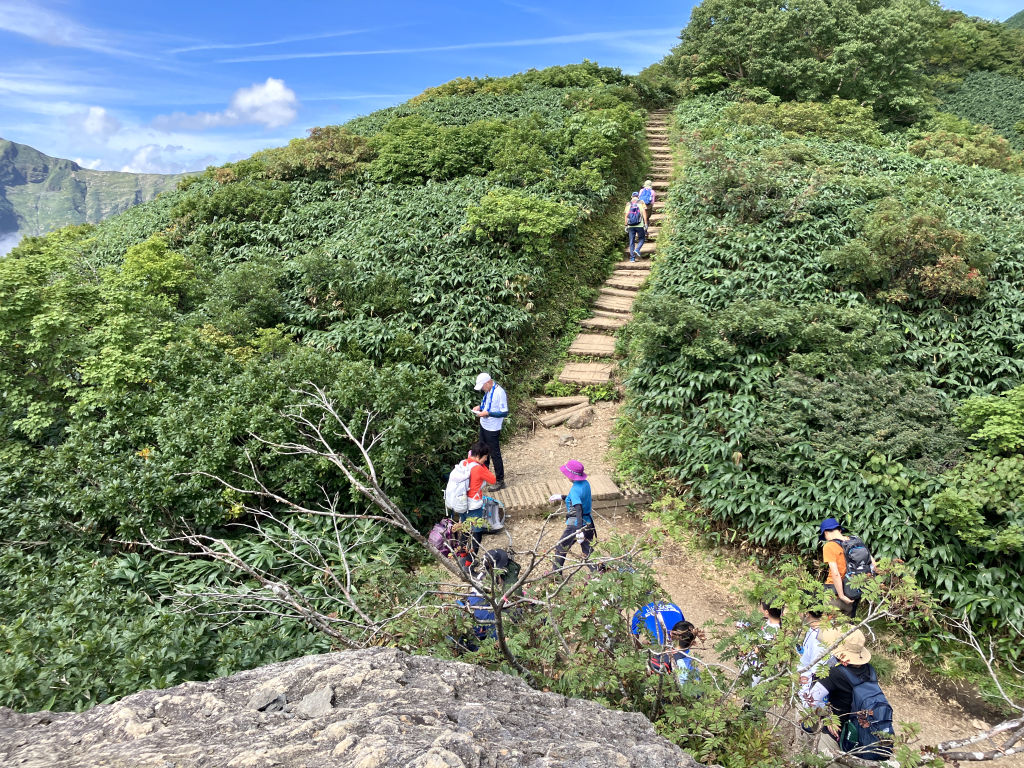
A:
(833, 327)
(1016, 21)
(388, 261)
(39, 193)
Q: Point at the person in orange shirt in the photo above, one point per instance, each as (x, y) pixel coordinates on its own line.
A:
(831, 532)
(479, 452)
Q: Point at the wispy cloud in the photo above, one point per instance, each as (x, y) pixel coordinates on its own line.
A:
(282, 41)
(557, 40)
(271, 104)
(32, 20)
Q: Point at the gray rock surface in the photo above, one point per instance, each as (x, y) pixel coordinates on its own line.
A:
(581, 419)
(389, 710)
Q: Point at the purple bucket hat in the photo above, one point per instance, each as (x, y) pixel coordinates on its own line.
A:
(573, 470)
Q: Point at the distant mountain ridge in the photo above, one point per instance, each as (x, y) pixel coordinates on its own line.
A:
(1016, 21)
(39, 193)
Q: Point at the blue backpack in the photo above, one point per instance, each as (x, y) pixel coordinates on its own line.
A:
(646, 195)
(868, 733)
(635, 216)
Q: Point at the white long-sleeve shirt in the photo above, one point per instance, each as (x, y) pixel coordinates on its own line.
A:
(495, 401)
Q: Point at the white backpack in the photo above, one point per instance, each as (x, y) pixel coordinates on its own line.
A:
(456, 494)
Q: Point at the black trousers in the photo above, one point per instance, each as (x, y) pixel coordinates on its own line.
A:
(493, 440)
(565, 543)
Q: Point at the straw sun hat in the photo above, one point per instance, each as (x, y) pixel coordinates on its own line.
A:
(851, 650)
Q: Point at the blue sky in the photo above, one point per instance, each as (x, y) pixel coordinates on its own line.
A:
(161, 88)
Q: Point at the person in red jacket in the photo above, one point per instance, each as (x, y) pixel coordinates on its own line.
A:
(479, 452)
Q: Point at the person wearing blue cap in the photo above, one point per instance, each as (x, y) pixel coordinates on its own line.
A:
(636, 225)
(837, 546)
(658, 618)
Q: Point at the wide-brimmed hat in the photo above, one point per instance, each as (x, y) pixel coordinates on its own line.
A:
(851, 650)
(573, 470)
(482, 379)
(829, 524)
(647, 183)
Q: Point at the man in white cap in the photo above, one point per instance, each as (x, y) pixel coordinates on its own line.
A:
(492, 413)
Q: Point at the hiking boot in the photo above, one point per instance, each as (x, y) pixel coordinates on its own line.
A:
(498, 486)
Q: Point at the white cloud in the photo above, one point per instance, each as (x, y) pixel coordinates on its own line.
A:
(90, 164)
(149, 159)
(271, 104)
(95, 124)
(236, 156)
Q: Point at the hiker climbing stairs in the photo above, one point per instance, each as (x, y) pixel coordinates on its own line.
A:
(614, 305)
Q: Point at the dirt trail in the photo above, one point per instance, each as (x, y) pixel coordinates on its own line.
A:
(705, 587)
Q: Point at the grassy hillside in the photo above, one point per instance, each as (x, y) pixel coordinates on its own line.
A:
(388, 261)
(39, 193)
(826, 301)
(1016, 21)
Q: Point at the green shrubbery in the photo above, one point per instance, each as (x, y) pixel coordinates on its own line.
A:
(870, 53)
(387, 261)
(821, 307)
(989, 98)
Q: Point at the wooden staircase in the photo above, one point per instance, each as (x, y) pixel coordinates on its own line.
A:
(613, 308)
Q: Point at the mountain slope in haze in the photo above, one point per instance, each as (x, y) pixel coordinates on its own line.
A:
(1016, 21)
(39, 193)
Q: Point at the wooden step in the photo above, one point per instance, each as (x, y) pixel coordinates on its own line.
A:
(624, 284)
(555, 418)
(618, 292)
(645, 250)
(657, 217)
(642, 264)
(659, 185)
(593, 345)
(628, 274)
(560, 402)
(586, 374)
(618, 304)
(653, 232)
(604, 323)
(608, 315)
(531, 496)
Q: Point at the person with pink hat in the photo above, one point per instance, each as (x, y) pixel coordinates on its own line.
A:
(579, 522)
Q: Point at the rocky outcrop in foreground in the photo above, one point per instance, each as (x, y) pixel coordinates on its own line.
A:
(365, 709)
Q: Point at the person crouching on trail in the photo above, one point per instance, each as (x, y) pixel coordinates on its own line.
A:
(647, 197)
(579, 522)
(636, 225)
(492, 411)
(657, 618)
(846, 556)
(478, 475)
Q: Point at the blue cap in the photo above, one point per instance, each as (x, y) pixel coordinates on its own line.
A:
(829, 524)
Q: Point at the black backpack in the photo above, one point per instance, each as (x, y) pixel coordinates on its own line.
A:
(858, 563)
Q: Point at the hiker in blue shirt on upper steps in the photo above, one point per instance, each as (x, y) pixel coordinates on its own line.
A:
(492, 412)
(579, 520)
